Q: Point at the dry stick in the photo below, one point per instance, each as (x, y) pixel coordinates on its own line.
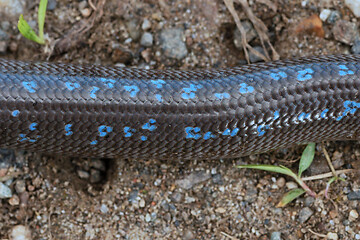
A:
(228, 236)
(328, 160)
(317, 234)
(327, 175)
(260, 28)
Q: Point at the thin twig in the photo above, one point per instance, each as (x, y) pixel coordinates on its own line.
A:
(327, 175)
(317, 234)
(228, 236)
(328, 160)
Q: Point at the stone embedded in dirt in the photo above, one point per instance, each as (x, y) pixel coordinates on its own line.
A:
(345, 31)
(5, 191)
(20, 232)
(332, 236)
(353, 215)
(172, 43)
(354, 6)
(83, 174)
(354, 195)
(146, 39)
(193, 179)
(275, 236)
(20, 186)
(305, 214)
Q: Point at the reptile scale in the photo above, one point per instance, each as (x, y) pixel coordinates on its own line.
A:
(94, 111)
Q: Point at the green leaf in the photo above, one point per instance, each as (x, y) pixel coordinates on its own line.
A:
(41, 17)
(270, 168)
(27, 31)
(290, 196)
(306, 158)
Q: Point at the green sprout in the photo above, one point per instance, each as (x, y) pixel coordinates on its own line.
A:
(27, 31)
(306, 159)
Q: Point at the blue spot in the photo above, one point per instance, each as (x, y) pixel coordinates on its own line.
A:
(71, 86)
(350, 107)
(108, 82)
(278, 75)
(244, 88)
(129, 131)
(15, 113)
(222, 95)
(68, 131)
(22, 137)
(104, 130)
(133, 90)
(158, 83)
(32, 126)
(276, 115)
(192, 132)
(159, 97)
(143, 138)
(190, 91)
(232, 133)
(30, 86)
(304, 116)
(305, 74)
(94, 142)
(323, 113)
(93, 92)
(209, 135)
(261, 129)
(345, 70)
(149, 125)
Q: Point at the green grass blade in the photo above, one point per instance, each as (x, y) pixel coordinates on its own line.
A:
(41, 17)
(290, 196)
(306, 158)
(270, 168)
(27, 31)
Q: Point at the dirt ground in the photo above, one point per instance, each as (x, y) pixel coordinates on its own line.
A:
(58, 197)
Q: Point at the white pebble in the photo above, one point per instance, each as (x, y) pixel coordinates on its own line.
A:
(354, 6)
(353, 215)
(291, 185)
(5, 191)
(332, 236)
(20, 232)
(325, 13)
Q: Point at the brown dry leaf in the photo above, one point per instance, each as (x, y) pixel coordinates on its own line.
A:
(312, 24)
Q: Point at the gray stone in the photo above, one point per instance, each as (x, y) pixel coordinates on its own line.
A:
(345, 31)
(146, 39)
(275, 236)
(309, 201)
(11, 8)
(254, 58)
(305, 214)
(51, 5)
(194, 178)
(133, 29)
(176, 197)
(5, 191)
(172, 43)
(354, 195)
(250, 34)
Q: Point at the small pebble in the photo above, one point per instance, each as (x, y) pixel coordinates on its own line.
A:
(104, 208)
(280, 182)
(51, 5)
(86, 12)
(192, 179)
(291, 185)
(353, 215)
(324, 14)
(250, 34)
(172, 43)
(309, 201)
(5, 191)
(220, 210)
(354, 195)
(20, 186)
(20, 232)
(146, 25)
(275, 236)
(14, 200)
(83, 174)
(354, 6)
(332, 236)
(142, 203)
(345, 31)
(305, 214)
(147, 218)
(188, 235)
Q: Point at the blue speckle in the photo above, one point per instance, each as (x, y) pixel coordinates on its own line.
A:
(261, 129)
(30, 86)
(276, 115)
(22, 137)
(15, 113)
(32, 126)
(129, 131)
(149, 125)
(159, 97)
(222, 95)
(68, 131)
(350, 107)
(143, 138)
(93, 92)
(94, 142)
(104, 130)
(209, 135)
(323, 113)
(345, 70)
(278, 75)
(159, 83)
(71, 86)
(305, 74)
(244, 88)
(132, 89)
(232, 133)
(108, 82)
(189, 92)
(304, 116)
(193, 132)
